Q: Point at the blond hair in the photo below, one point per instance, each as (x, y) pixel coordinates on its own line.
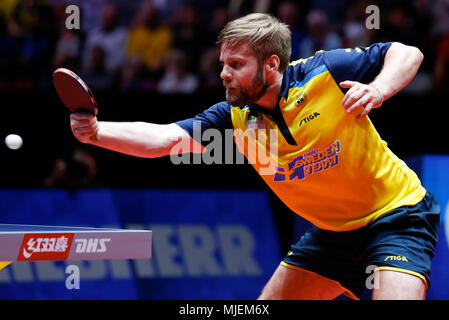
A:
(265, 34)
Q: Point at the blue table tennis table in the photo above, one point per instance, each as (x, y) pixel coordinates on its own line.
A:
(39, 243)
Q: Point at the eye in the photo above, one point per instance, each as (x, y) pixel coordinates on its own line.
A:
(235, 64)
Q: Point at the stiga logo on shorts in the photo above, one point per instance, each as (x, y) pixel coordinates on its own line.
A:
(396, 258)
(309, 163)
(45, 246)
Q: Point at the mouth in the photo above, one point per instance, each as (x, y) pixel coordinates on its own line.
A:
(228, 85)
(230, 88)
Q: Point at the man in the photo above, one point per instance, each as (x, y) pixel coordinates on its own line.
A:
(369, 210)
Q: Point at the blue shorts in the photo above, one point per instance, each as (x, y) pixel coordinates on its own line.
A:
(402, 240)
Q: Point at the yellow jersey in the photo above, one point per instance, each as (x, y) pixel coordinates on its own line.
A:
(323, 163)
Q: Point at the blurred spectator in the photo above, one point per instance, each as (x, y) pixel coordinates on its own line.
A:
(7, 7)
(167, 7)
(422, 19)
(354, 31)
(74, 172)
(188, 33)
(149, 38)
(320, 36)
(396, 25)
(28, 44)
(334, 10)
(136, 76)
(58, 174)
(91, 13)
(441, 17)
(288, 13)
(401, 21)
(11, 38)
(70, 41)
(68, 49)
(441, 77)
(239, 8)
(111, 37)
(149, 41)
(39, 44)
(220, 18)
(440, 32)
(210, 69)
(176, 78)
(97, 76)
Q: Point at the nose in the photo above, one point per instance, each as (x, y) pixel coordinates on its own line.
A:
(225, 74)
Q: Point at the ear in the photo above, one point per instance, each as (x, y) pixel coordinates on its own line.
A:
(272, 63)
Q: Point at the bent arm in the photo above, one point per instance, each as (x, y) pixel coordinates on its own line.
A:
(400, 66)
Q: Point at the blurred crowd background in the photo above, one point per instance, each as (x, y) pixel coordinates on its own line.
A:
(140, 53)
(168, 46)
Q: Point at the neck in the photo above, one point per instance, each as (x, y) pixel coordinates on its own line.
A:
(270, 98)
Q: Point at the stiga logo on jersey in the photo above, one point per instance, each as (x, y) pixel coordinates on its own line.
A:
(309, 118)
(45, 246)
(309, 163)
(92, 245)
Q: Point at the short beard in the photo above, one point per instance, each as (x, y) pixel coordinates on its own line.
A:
(249, 95)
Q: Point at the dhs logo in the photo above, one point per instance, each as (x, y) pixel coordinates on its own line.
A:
(50, 246)
(92, 245)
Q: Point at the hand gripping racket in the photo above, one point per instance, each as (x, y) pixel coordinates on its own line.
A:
(74, 93)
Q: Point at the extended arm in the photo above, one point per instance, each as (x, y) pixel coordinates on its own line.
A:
(138, 139)
(400, 66)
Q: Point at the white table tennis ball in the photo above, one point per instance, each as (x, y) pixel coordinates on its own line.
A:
(13, 141)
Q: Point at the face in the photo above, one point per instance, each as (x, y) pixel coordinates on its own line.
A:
(242, 75)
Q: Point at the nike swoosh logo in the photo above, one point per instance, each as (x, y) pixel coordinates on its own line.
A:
(26, 254)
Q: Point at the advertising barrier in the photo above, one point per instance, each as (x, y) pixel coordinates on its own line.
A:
(206, 244)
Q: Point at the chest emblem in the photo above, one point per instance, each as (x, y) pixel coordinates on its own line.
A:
(309, 163)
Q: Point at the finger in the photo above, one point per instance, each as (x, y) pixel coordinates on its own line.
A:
(363, 101)
(88, 129)
(348, 94)
(86, 137)
(365, 111)
(81, 115)
(79, 124)
(352, 97)
(83, 122)
(348, 84)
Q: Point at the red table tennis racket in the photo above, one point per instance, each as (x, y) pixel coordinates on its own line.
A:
(74, 92)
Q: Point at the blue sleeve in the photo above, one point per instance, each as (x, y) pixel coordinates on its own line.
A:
(361, 64)
(217, 117)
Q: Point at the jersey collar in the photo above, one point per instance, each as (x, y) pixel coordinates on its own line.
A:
(276, 113)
